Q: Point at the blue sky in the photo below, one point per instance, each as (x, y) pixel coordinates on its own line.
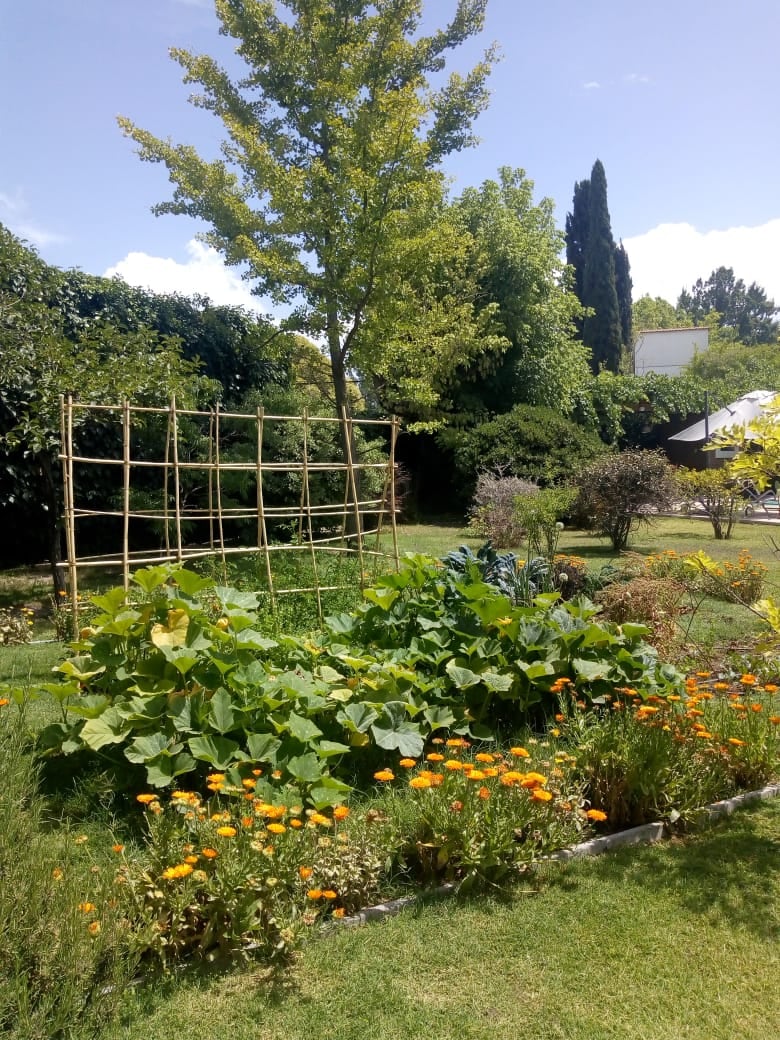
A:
(678, 99)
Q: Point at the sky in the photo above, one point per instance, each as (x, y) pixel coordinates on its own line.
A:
(677, 98)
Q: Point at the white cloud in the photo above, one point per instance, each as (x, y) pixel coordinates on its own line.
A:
(592, 84)
(12, 213)
(202, 274)
(671, 257)
(636, 77)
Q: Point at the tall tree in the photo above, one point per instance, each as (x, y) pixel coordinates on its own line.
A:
(330, 173)
(602, 278)
(601, 330)
(657, 313)
(623, 287)
(746, 311)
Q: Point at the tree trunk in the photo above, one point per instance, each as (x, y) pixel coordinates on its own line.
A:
(343, 408)
(51, 500)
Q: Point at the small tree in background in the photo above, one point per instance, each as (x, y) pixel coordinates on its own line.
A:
(620, 492)
(716, 492)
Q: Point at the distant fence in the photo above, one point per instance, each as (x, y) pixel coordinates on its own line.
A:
(187, 510)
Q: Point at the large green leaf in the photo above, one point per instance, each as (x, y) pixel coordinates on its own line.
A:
(328, 748)
(80, 668)
(173, 632)
(108, 728)
(249, 638)
(189, 582)
(161, 771)
(358, 717)
(302, 729)
(151, 578)
(150, 746)
(306, 769)
(461, 677)
(234, 598)
(221, 714)
(263, 747)
(590, 671)
(217, 751)
(88, 707)
(393, 731)
(439, 716)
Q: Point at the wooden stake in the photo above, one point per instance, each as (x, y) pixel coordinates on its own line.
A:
(73, 576)
(220, 527)
(176, 487)
(126, 494)
(353, 486)
(262, 531)
(307, 494)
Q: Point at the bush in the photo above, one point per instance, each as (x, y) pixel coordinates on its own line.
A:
(656, 602)
(15, 626)
(541, 514)
(493, 513)
(533, 443)
(716, 493)
(620, 492)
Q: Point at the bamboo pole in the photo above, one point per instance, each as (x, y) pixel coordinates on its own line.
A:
(262, 530)
(310, 526)
(166, 509)
(247, 416)
(73, 576)
(126, 495)
(176, 487)
(211, 480)
(353, 485)
(220, 526)
(393, 509)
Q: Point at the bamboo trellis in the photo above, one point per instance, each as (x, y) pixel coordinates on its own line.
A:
(354, 519)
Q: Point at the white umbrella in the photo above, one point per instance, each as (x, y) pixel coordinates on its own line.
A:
(740, 413)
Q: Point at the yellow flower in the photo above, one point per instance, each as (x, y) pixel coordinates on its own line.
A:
(314, 893)
(434, 757)
(475, 774)
(384, 775)
(277, 828)
(305, 872)
(596, 815)
(341, 812)
(540, 795)
(484, 793)
(420, 782)
(146, 799)
(329, 894)
(86, 908)
(94, 928)
(533, 780)
(453, 765)
(408, 763)
(226, 832)
(179, 871)
(316, 817)
(339, 911)
(57, 874)
(748, 680)
(737, 742)
(209, 853)
(216, 778)
(296, 823)
(520, 752)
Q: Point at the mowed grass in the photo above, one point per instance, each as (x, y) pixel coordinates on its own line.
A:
(679, 940)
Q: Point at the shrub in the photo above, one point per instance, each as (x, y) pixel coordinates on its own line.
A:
(715, 492)
(493, 513)
(618, 493)
(541, 514)
(530, 442)
(15, 626)
(656, 602)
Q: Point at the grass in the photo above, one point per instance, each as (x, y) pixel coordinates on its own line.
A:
(662, 942)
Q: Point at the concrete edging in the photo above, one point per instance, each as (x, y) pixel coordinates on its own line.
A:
(646, 834)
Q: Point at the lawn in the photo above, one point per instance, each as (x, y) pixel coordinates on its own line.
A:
(663, 942)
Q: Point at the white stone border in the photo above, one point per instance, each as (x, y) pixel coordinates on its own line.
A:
(647, 833)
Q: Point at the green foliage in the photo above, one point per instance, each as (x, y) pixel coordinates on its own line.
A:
(533, 443)
(493, 513)
(519, 580)
(623, 286)
(714, 491)
(541, 513)
(591, 250)
(620, 492)
(180, 680)
(519, 249)
(745, 311)
(328, 189)
(62, 965)
(14, 626)
(729, 370)
(656, 313)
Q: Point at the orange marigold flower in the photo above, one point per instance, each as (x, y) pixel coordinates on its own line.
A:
(540, 795)
(520, 752)
(249, 782)
(748, 679)
(317, 817)
(434, 756)
(559, 717)
(86, 908)
(57, 874)
(484, 793)
(533, 780)
(277, 828)
(774, 719)
(216, 778)
(384, 776)
(705, 734)
(420, 783)
(226, 832)
(247, 821)
(314, 893)
(771, 688)
(596, 815)
(339, 911)
(3, 702)
(191, 860)
(341, 812)
(146, 799)
(328, 893)
(756, 707)
(512, 777)
(454, 765)
(737, 742)
(484, 756)
(456, 806)
(117, 848)
(305, 872)
(720, 686)
(456, 742)
(296, 823)
(409, 763)
(475, 774)
(94, 928)
(209, 853)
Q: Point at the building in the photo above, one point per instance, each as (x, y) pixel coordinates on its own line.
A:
(668, 351)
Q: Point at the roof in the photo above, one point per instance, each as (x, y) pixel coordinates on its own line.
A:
(739, 413)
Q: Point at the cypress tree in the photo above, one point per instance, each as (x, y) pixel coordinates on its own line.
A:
(577, 236)
(601, 330)
(623, 286)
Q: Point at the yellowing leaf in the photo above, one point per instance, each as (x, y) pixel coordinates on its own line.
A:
(175, 632)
